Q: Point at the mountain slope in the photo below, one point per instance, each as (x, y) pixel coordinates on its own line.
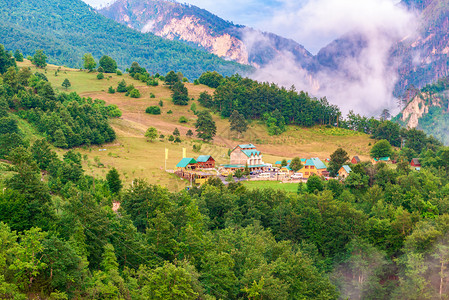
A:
(197, 26)
(65, 30)
(424, 57)
(428, 110)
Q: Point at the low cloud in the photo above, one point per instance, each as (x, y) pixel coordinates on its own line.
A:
(362, 82)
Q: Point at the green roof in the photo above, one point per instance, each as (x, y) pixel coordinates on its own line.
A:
(185, 162)
(316, 162)
(347, 168)
(203, 158)
(247, 146)
(251, 152)
(382, 159)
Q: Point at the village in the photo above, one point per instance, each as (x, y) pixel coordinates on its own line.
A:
(246, 163)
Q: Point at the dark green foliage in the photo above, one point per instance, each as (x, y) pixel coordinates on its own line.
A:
(183, 119)
(256, 100)
(338, 159)
(296, 164)
(153, 110)
(134, 93)
(121, 87)
(176, 132)
(114, 182)
(171, 138)
(66, 83)
(180, 94)
(18, 56)
(89, 62)
(111, 90)
(171, 78)
(6, 61)
(100, 69)
(108, 64)
(189, 133)
(205, 126)
(314, 184)
(211, 79)
(238, 122)
(40, 59)
(381, 149)
(100, 76)
(177, 140)
(284, 163)
(205, 100)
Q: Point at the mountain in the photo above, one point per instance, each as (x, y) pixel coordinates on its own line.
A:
(199, 27)
(66, 29)
(424, 57)
(428, 110)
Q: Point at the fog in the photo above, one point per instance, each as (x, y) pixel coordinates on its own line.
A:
(363, 83)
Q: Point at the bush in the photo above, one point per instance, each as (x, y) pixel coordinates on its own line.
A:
(153, 110)
(111, 90)
(171, 138)
(177, 140)
(183, 119)
(152, 95)
(121, 87)
(100, 70)
(189, 133)
(100, 76)
(161, 103)
(119, 73)
(169, 112)
(134, 93)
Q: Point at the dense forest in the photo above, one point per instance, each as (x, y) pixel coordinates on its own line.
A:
(66, 30)
(382, 233)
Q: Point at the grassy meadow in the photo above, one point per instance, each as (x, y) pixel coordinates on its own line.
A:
(135, 157)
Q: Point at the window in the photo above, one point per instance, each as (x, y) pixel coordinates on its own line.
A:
(307, 167)
(307, 173)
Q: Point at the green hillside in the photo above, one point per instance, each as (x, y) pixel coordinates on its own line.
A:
(67, 29)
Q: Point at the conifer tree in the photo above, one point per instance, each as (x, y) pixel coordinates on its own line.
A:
(114, 182)
(238, 123)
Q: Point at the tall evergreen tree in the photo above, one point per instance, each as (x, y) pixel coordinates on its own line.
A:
(238, 123)
(114, 182)
(338, 159)
(205, 126)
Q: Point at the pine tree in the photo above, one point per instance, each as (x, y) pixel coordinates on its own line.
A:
(205, 126)
(114, 182)
(238, 123)
(66, 83)
(176, 132)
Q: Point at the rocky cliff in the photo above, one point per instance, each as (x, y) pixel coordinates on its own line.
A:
(198, 27)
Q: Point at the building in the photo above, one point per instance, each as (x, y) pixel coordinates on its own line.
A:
(246, 155)
(381, 159)
(205, 162)
(344, 171)
(278, 163)
(415, 162)
(187, 163)
(355, 160)
(314, 166)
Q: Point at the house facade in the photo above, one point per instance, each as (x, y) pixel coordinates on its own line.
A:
(355, 160)
(415, 162)
(205, 162)
(314, 166)
(246, 155)
(344, 171)
(187, 163)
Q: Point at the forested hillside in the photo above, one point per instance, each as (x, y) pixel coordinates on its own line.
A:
(65, 30)
(382, 233)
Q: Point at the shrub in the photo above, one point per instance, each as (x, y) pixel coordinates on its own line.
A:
(121, 87)
(119, 73)
(169, 112)
(100, 70)
(134, 93)
(111, 90)
(171, 138)
(189, 133)
(152, 95)
(177, 140)
(153, 110)
(161, 103)
(183, 119)
(100, 76)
